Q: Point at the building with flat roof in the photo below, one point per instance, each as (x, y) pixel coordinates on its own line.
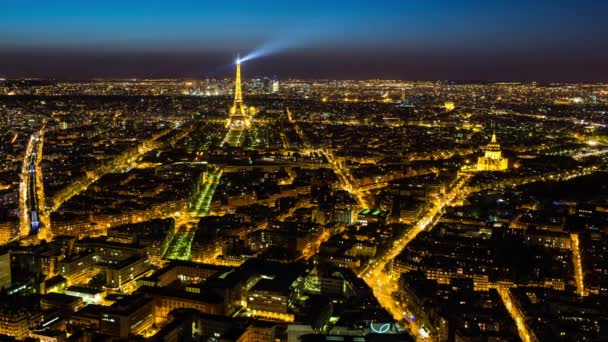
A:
(132, 315)
(89, 295)
(120, 275)
(64, 303)
(77, 268)
(371, 215)
(167, 299)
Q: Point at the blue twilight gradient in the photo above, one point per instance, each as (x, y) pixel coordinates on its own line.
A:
(446, 37)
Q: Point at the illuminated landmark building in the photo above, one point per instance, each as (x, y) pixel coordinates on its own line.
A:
(492, 160)
(239, 117)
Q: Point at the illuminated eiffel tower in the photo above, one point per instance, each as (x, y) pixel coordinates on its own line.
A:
(239, 117)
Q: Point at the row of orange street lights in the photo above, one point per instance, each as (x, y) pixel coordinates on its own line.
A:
(346, 179)
(578, 267)
(23, 187)
(519, 319)
(384, 285)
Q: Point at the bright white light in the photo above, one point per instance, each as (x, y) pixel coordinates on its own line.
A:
(423, 332)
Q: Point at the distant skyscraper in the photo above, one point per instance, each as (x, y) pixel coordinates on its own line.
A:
(266, 86)
(275, 86)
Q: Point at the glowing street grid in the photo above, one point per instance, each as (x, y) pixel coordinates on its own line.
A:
(181, 245)
(234, 137)
(202, 204)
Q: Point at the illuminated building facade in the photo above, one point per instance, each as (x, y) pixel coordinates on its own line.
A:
(77, 268)
(492, 160)
(5, 269)
(265, 301)
(275, 86)
(88, 295)
(258, 332)
(129, 270)
(168, 299)
(17, 322)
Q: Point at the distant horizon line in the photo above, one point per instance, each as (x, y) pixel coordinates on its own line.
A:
(456, 81)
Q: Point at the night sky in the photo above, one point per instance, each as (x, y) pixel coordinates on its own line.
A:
(394, 39)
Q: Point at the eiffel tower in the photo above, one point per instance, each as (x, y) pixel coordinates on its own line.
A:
(239, 118)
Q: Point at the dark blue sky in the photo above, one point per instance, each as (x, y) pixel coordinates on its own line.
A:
(425, 39)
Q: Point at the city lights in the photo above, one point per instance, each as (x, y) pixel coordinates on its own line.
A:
(271, 204)
(294, 171)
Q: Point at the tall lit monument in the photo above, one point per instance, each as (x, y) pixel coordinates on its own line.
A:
(493, 159)
(238, 113)
(238, 120)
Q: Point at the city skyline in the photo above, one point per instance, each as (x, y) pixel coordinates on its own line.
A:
(356, 171)
(431, 40)
(302, 210)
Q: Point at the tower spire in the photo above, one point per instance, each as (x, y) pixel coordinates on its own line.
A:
(239, 116)
(238, 106)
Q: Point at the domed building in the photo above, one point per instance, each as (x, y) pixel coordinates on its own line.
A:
(492, 160)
